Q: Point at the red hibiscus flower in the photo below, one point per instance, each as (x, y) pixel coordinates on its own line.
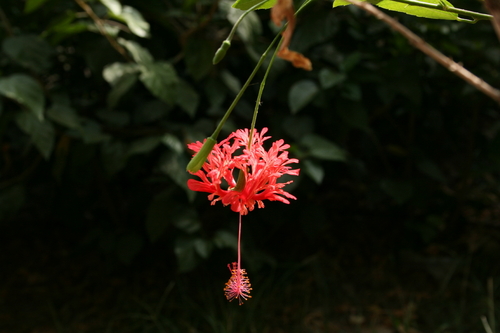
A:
(261, 169)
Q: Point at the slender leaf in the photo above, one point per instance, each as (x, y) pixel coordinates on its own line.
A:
(198, 57)
(329, 78)
(140, 54)
(161, 80)
(32, 5)
(113, 5)
(314, 170)
(322, 148)
(24, 90)
(187, 98)
(247, 4)
(41, 132)
(112, 73)
(64, 115)
(29, 51)
(411, 9)
(120, 88)
(135, 21)
(301, 94)
(144, 145)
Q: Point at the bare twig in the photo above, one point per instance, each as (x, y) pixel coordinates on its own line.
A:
(423, 46)
(186, 34)
(493, 7)
(100, 25)
(491, 304)
(6, 23)
(119, 25)
(486, 326)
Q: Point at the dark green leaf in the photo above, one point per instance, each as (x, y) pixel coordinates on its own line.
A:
(173, 143)
(32, 5)
(135, 21)
(354, 114)
(198, 57)
(298, 126)
(223, 239)
(187, 98)
(120, 88)
(24, 90)
(140, 54)
(114, 156)
(29, 51)
(329, 78)
(174, 165)
(322, 148)
(301, 94)
(314, 170)
(203, 247)
(144, 145)
(114, 72)
(231, 81)
(352, 92)
(186, 254)
(114, 118)
(113, 5)
(64, 115)
(151, 111)
(161, 80)
(91, 132)
(41, 132)
(188, 221)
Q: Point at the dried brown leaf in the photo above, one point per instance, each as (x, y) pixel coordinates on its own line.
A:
(296, 58)
(283, 10)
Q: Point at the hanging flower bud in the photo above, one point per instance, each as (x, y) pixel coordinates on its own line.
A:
(199, 159)
(221, 52)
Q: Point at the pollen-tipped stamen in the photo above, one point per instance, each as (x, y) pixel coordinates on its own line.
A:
(238, 285)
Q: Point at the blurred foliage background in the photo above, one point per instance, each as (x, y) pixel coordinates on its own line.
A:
(396, 226)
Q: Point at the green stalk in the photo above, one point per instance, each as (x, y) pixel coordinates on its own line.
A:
(261, 90)
(215, 134)
(226, 44)
(198, 160)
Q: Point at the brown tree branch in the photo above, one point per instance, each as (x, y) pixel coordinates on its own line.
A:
(6, 23)
(423, 46)
(493, 7)
(100, 25)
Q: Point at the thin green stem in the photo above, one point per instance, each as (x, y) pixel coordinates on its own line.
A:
(264, 79)
(235, 26)
(215, 134)
(443, 7)
(259, 96)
